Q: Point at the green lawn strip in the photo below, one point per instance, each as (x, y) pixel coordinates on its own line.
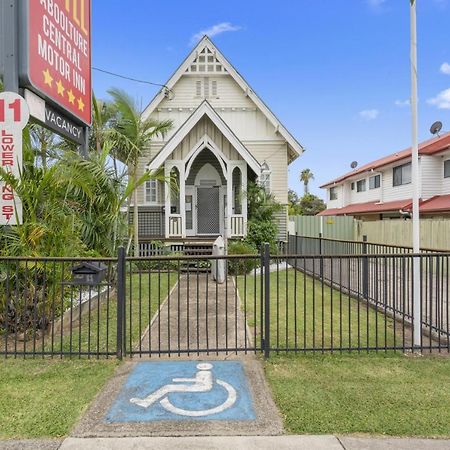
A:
(98, 330)
(305, 313)
(376, 394)
(45, 398)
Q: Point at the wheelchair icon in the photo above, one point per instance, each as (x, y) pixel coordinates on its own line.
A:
(202, 382)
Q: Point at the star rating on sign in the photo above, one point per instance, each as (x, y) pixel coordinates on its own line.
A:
(80, 104)
(60, 88)
(71, 97)
(48, 79)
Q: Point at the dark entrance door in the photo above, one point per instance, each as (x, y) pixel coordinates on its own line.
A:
(208, 210)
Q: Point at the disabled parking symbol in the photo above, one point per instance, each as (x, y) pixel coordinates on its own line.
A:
(184, 390)
(202, 382)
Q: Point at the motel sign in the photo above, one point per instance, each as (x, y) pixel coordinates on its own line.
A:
(56, 59)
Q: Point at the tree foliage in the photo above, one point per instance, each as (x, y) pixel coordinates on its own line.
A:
(132, 134)
(262, 205)
(305, 177)
(308, 205)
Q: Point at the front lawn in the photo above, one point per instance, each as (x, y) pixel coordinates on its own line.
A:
(98, 330)
(307, 314)
(377, 394)
(45, 398)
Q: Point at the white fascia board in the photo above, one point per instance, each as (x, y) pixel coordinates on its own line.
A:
(204, 109)
(293, 143)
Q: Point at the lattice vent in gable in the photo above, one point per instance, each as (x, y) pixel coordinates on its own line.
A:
(206, 62)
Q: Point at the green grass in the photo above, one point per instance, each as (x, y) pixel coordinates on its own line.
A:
(307, 314)
(98, 330)
(376, 394)
(45, 398)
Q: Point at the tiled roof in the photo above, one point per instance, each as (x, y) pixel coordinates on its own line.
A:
(430, 147)
(437, 203)
(368, 207)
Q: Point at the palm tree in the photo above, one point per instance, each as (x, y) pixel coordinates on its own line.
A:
(45, 144)
(103, 113)
(306, 176)
(132, 134)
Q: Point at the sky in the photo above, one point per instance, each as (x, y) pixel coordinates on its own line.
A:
(335, 72)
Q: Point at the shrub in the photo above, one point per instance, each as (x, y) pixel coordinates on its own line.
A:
(260, 232)
(241, 266)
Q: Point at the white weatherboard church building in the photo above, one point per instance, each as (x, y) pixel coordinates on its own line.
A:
(223, 136)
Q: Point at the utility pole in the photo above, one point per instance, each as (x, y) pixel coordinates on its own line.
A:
(9, 46)
(415, 182)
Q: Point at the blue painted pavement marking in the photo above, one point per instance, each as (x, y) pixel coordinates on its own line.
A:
(183, 390)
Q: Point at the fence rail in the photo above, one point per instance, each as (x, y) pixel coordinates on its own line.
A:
(317, 295)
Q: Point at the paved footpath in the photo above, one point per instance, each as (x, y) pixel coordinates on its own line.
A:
(198, 314)
(324, 442)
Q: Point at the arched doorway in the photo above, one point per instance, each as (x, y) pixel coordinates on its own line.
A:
(205, 189)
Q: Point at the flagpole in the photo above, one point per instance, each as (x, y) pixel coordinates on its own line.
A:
(415, 181)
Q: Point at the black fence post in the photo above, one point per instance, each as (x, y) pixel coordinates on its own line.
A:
(261, 318)
(266, 300)
(365, 269)
(321, 253)
(121, 302)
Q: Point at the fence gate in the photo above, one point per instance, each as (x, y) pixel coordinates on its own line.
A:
(173, 306)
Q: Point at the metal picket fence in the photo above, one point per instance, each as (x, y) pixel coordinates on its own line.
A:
(311, 296)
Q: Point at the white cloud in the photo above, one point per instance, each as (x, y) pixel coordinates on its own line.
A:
(402, 103)
(376, 4)
(442, 100)
(369, 114)
(219, 28)
(445, 68)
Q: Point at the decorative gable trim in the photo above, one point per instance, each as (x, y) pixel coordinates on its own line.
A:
(204, 108)
(186, 65)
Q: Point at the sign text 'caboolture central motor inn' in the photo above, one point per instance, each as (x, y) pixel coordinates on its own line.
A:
(57, 54)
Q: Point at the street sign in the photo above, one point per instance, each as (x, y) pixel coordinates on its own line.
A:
(14, 115)
(56, 54)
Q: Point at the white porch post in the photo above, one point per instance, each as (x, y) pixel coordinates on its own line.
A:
(167, 200)
(244, 196)
(182, 171)
(229, 197)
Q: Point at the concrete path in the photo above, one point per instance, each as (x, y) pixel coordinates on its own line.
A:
(267, 421)
(199, 317)
(324, 442)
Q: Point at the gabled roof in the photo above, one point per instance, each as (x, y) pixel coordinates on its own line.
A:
(430, 147)
(204, 108)
(294, 145)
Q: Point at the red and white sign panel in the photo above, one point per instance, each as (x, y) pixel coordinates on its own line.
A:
(14, 115)
(59, 53)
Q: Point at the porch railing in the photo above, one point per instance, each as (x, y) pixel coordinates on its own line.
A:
(175, 225)
(237, 225)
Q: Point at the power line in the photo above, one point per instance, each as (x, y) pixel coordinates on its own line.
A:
(130, 78)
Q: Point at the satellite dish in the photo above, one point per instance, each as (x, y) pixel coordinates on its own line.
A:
(436, 127)
(354, 164)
